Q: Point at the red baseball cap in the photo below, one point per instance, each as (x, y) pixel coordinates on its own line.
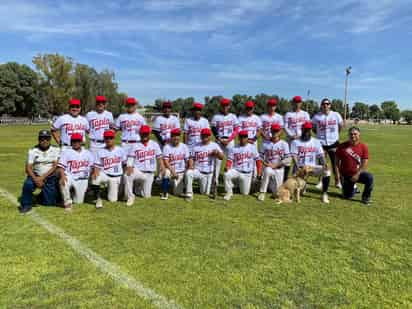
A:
(74, 102)
(276, 127)
(109, 133)
(297, 99)
(131, 101)
(225, 102)
(205, 131)
(272, 102)
(307, 125)
(167, 104)
(243, 133)
(145, 130)
(175, 131)
(100, 98)
(197, 105)
(76, 137)
(249, 104)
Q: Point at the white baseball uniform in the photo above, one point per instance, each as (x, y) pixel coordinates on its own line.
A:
(273, 153)
(42, 161)
(307, 153)
(76, 166)
(267, 122)
(129, 124)
(98, 123)
(243, 160)
(165, 125)
(67, 125)
(294, 121)
(177, 157)
(192, 128)
(252, 124)
(142, 157)
(110, 163)
(204, 165)
(327, 127)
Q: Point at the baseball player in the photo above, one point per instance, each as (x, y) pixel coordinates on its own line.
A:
(225, 127)
(327, 125)
(307, 151)
(194, 125)
(240, 163)
(275, 155)
(202, 164)
(40, 169)
(69, 124)
(175, 159)
(293, 124)
(251, 123)
(163, 124)
(108, 168)
(141, 165)
(130, 123)
(74, 168)
(100, 120)
(269, 118)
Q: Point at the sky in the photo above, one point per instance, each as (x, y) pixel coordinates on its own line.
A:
(181, 48)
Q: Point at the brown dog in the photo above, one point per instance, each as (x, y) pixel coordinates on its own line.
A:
(294, 186)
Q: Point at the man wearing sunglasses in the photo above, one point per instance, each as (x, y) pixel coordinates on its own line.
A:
(40, 169)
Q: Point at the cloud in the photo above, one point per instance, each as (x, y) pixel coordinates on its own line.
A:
(101, 52)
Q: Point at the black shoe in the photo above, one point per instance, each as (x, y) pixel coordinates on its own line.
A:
(25, 210)
(367, 202)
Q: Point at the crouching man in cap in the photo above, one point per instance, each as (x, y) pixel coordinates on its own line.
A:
(40, 169)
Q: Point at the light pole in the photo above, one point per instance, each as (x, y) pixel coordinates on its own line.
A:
(307, 100)
(345, 104)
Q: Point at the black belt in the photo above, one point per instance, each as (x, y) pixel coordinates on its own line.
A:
(113, 176)
(129, 142)
(204, 173)
(82, 179)
(147, 172)
(243, 172)
(97, 141)
(64, 144)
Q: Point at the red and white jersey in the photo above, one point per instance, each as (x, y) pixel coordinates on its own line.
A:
(327, 127)
(76, 164)
(111, 161)
(204, 162)
(271, 152)
(267, 121)
(98, 123)
(307, 152)
(130, 125)
(144, 156)
(164, 125)
(225, 124)
(177, 156)
(243, 157)
(192, 128)
(250, 123)
(294, 122)
(67, 125)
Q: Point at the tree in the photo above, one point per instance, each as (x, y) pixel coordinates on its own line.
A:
(338, 106)
(391, 111)
(86, 85)
(311, 106)
(375, 112)
(360, 110)
(407, 116)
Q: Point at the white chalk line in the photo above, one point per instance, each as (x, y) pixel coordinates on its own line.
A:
(104, 265)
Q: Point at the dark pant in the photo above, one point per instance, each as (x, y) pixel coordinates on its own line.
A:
(331, 151)
(348, 186)
(48, 193)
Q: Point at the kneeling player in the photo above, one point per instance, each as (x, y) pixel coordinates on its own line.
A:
(175, 158)
(202, 163)
(141, 165)
(108, 168)
(240, 163)
(74, 168)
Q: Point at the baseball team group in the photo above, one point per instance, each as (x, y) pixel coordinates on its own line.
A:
(174, 161)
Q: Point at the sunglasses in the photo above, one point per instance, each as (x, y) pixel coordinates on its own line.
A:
(109, 137)
(74, 107)
(44, 138)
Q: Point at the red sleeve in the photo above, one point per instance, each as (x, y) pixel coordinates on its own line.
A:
(365, 152)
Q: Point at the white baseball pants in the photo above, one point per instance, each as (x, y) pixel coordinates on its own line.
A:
(144, 181)
(233, 176)
(271, 175)
(225, 151)
(79, 187)
(205, 181)
(113, 184)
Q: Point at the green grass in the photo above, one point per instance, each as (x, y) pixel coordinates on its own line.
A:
(213, 254)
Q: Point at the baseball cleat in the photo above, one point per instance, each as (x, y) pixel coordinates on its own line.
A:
(164, 196)
(261, 197)
(189, 197)
(338, 185)
(319, 185)
(228, 196)
(325, 198)
(68, 207)
(99, 204)
(130, 201)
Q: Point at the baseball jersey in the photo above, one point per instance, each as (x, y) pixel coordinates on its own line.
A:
(225, 124)
(327, 127)
(130, 125)
(307, 152)
(243, 157)
(67, 124)
(98, 123)
(143, 157)
(192, 128)
(42, 161)
(267, 121)
(351, 157)
(111, 161)
(76, 164)
(252, 124)
(164, 125)
(294, 121)
(274, 152)
(204, 162)
(177, 156)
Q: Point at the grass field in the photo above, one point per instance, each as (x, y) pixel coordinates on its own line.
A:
(216, 254)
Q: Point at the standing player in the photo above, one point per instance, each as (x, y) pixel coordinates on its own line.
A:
(270, 118)
(202, 164)
(164, 124)
(69, 124)
(141, 165)
(241, 161)
(225, 127)
(74, 167)
(100, 120)
(194, 125)
(175, 159)
(130, 123)
(275, 155)
(307, 151)
(108, 168)
(251, 123)
(327, 125)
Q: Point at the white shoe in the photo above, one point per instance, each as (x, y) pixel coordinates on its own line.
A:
(164, 196)
(319, 185)
(99, 204)
(261, 196)
(338, 185)
(130, 201)
(227, 196)
(325, 198)
(68, 207)
(189, 197)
